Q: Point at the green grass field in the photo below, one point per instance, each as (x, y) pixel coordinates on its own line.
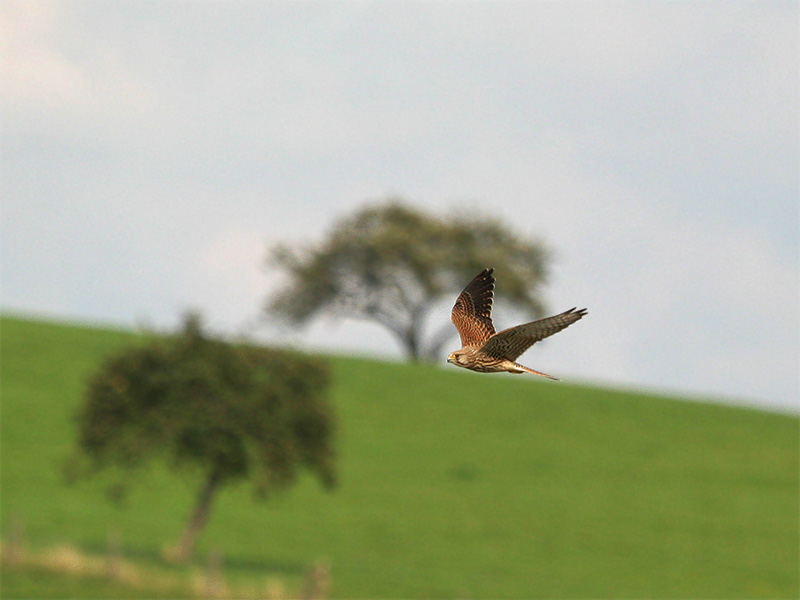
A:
(452, 484)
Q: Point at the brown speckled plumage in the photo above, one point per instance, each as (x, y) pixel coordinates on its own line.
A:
(489, 352)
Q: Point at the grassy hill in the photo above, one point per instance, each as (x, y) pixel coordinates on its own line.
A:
(452, 485)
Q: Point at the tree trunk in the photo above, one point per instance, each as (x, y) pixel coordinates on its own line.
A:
(411, 343)
(184, 549)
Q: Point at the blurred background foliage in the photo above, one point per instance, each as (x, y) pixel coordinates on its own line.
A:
(229, 411)
(390, 263)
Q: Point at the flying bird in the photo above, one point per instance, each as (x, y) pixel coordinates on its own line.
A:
(489, 352)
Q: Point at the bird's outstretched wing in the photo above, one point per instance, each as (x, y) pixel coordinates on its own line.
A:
(472, 313)
(512, 342)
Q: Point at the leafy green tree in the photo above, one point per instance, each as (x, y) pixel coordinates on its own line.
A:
(230, 411)
(391, 264)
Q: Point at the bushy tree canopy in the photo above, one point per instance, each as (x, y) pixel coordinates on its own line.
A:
(233, 411)
(391, 264)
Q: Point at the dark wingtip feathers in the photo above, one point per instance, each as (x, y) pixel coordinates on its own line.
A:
(487, 274)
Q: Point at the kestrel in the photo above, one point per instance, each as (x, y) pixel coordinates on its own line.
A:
(489, 352)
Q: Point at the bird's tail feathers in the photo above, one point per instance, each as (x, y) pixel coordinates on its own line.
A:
(531, 371)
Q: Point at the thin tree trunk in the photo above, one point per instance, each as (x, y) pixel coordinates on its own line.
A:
(184, 549)
(412, 335)
(411, 342)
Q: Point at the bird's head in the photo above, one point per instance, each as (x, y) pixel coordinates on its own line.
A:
(457, 358)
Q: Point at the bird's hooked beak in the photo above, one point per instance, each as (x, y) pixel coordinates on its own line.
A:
(451, 358)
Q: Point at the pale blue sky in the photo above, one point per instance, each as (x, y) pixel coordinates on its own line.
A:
(152, 151)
